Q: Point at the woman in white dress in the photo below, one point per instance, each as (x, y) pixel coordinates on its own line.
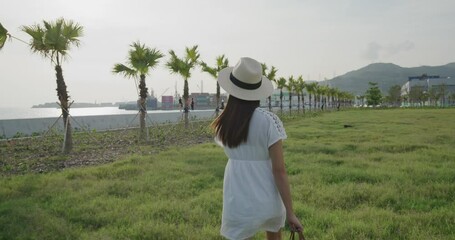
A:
(256, 192)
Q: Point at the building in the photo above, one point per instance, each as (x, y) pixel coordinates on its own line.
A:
(201, 100)
(428, 90)
(151, 104)
(167, 102)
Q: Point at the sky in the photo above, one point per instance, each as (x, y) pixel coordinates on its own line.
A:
(318, 39)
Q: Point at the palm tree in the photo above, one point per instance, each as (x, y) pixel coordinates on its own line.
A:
(311, 88)
(318, 94)
(452, 99)
(271, 76)
(299, 86)
(315, 95)
(333, 93)
(335, 97)
(442, 92)
(183, 66)
(307, 85)
(290, 86)
(140, 60)
(53, 40)
(341, 99)
(221, 62)
(349, 98)
(281, 83)
(324, 91)
(328, 95)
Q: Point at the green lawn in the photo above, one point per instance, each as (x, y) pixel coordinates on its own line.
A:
(389, 176)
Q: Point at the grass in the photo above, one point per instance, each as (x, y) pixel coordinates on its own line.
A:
(389, 176)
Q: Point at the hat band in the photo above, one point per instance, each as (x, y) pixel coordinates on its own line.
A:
(243, 85)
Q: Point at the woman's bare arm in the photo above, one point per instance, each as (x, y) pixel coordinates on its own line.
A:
(282, 183)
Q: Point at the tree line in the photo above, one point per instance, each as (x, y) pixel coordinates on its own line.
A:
(416, 96)
(54, 39)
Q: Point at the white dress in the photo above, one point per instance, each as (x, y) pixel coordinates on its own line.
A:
(251, 201)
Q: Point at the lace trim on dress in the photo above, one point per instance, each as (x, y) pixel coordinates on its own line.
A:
(276, 122)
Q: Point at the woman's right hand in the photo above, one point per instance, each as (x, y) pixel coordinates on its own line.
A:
(294, 223)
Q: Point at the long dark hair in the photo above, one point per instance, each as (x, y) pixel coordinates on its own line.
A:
(232, 125)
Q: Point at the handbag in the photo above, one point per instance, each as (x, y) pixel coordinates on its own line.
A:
(300, 235)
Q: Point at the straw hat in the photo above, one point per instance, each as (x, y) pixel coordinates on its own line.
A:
(245, 80)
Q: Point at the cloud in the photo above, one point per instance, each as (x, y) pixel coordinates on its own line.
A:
(375, 51)
(372, 51)
(393, 49)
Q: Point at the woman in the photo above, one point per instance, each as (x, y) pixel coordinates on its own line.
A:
(256, 192)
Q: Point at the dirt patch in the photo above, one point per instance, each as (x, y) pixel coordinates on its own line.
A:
(43, 154)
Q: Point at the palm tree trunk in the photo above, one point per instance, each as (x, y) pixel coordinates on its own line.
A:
(281, 101)
(303, 103)
(218, 95)
(314, 98)
(185, 98)
(270, 103)
(298, 103)
(309, 99)
(329, 102)
(324, 102)
(319, 101)
(290, 102)
(143, 106)
(63, 97)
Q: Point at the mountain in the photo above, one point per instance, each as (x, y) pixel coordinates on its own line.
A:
(386, 75)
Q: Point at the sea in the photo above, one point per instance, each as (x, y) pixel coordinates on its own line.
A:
(29, 113)
(28, 121)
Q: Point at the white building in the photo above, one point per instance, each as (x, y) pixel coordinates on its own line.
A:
(444, 87)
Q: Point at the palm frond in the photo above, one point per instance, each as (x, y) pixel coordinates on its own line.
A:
(182, 66)
(143, 58)
(212, 71)
(221, 62)
(291, 83)
(72, 32)
(264, 69)
(152, 57)
(299, 84)
(174, 63)
(54, 39)
(281, 83)
(192, 55)
(3, 36)
(272, 73)
(136, 57)
(124, 70)
(37, 43)
(269, 74)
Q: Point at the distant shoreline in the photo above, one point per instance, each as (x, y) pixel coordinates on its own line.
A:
(77, 105)
(23, 127)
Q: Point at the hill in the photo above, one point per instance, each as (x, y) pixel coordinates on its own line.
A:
(386, 75)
